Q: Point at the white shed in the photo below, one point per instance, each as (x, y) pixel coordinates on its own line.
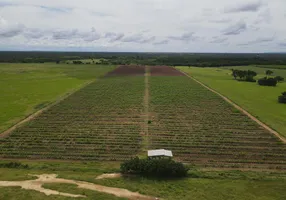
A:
(160, 153)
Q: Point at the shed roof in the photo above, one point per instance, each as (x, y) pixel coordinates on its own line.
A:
(160, 152)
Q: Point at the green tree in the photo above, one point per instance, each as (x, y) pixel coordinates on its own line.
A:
(269, 72)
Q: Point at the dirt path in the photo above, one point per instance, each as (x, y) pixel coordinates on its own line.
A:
(32, 116)
(107, 176)
(37, 185)
(146, 110)
(240, 109)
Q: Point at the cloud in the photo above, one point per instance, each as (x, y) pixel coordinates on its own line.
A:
(33, 33)
(148, 40)
(218, 39)
(259, 41)
(64, 24)
(138, 38)
(253, 6)
(162, 42)
(185, 37)
(114, 36)
(264, 17)
(3, 4)
(10, 30)
(56, 9)
(133, 38)
(88, 36)
(65, 34)
(235, 29)
(220, 21)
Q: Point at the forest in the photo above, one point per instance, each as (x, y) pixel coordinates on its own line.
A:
(170, 59)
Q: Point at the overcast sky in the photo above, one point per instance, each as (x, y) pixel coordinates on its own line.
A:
(144, 25)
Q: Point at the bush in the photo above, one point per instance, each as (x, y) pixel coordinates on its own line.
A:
(163, 167)
(267, 81)
(279, 78)
(13, 165)
(282, 98)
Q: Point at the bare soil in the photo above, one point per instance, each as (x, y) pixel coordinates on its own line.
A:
(109, 176)
(165, 71)
(127, 70)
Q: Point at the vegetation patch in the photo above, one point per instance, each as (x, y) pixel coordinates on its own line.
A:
(267, 81)
(17, 165)
(160, 167)
(282, 98)
(244, 75)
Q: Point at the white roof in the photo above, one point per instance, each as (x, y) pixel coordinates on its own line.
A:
(160, 152)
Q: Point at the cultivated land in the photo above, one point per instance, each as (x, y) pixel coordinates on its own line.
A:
(26, 88)
(133, 109)
(260, 101)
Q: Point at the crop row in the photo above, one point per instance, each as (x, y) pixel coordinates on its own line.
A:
(201, 128)
(102, 121)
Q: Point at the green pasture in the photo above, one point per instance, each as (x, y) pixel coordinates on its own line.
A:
(25, 88)
(260, 101)
(199, 185)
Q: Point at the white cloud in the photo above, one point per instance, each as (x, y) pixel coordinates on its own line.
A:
(157, 25)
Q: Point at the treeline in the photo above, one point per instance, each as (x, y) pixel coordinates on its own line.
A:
(171, 59)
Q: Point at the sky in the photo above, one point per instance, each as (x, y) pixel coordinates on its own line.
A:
(240, 26)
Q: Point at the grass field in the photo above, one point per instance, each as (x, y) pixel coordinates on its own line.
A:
(259, 101)
(201, 185)
(26, 88)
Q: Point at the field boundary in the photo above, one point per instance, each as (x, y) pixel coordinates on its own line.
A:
(7, 132)
(239, 108)
(146, 109)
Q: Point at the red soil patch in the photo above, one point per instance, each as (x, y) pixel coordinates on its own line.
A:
(128, 70)
(165, 71)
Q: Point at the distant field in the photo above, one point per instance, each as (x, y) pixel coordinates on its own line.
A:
(90, 61)
(26, 88)
(259, 101)
(272, 66)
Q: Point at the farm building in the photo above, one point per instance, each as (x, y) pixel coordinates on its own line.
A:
(159, 153)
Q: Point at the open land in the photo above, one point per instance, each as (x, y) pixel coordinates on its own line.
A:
(111, 119)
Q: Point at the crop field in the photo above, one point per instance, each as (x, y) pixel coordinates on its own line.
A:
(106, 120)
(26, 88)
(128, 71)
(260, 101)
(164, 71)
(201, 128)
(100, 122)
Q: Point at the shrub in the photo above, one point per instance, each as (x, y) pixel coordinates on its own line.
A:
(282, 98)
(267, 81)
(279, 78)
(13, 165)
(163, 167)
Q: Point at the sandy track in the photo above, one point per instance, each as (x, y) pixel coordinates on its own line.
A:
(240, 109)
(37, 185)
